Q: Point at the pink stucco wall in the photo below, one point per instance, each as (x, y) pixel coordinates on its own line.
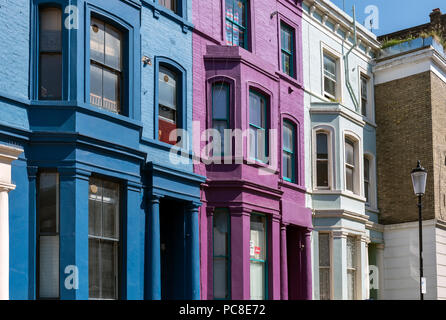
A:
(240, 187)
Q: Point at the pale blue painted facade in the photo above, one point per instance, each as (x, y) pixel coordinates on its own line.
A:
(338, 213)
(80, 141)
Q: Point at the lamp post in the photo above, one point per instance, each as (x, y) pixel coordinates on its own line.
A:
(419, 175)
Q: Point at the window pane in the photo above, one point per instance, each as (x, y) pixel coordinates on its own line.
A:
(95, 85)
(220, 268)
(322, 146)
(286, 38)
(366, 192)
(108, 269)
(349, 178)
(49, 267)
(220, 101)
(167, 88)
(257, 280)
(324, 250)
(324, 284)
(111, 91)
(349, 152)
(351, 252)
(95, 208)
(50, 75)
(258, 241)
(49, 203)
(93, 268)
(169, 4)
(97, 40)
(286, 63)
(255, 110)
(50, 39)
(287, 165)
(330, 86)
(322, 173)
(112, 47)
(110, 210)
(330, 67)
(253, 137)
(239, 12)
(221, 233)
(351, 283)
(366, 169)
(288, 136)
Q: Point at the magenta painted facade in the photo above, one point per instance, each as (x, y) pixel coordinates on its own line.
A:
(239, 188)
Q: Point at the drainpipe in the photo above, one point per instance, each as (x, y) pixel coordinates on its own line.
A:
(347, 69)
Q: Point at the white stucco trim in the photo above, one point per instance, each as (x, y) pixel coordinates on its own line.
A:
(409, 64)
(7, 155)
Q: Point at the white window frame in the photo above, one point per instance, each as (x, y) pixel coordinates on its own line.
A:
(370, 94)
(372, 180)
(358, 187)
(326, 50)
(357, 269)
(330, 250)
(330, 132)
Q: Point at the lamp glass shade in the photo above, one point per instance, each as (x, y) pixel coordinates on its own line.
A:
(419, 182)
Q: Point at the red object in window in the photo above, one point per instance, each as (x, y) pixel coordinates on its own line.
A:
(257, 250)
(164, 130)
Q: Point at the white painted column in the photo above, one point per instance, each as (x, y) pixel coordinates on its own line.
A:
(7, 155)
(380, 265)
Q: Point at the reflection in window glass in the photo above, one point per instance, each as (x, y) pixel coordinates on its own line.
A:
(221, 242)
(50, 54)
(103, 244)
(349, 164)
(105, 66)
(258, 254)
(322, 160)
(48, 234)
(167, 103)
(235, 23)
(288, 152)
(324, 266)
(330, 77)
(258, 126)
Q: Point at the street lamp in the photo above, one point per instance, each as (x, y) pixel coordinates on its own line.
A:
(419, 175)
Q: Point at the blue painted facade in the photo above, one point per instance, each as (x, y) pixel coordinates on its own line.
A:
(80, 141)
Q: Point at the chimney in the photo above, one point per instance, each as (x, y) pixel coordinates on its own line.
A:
(435, 16)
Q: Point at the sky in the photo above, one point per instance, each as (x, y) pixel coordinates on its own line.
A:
(393, 15)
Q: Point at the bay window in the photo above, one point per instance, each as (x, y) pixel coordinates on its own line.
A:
(105, 66)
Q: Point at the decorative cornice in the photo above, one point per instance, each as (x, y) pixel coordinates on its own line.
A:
(341, 214)
(9, 153)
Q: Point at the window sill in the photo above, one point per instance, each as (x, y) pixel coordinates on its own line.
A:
(260, 164)
(160, 10)
(86, 108)
(289, 79)
(292, 185)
